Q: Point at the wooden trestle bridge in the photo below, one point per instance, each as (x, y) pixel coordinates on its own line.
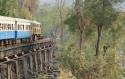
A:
(26, 61)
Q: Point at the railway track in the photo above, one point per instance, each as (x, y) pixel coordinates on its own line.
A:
(26, 61)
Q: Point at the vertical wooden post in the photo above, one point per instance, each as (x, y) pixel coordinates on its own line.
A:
(45, 55)
(50, 55)
(36, 63)
(31, 62)
(40, 55)
(53, 53)
(17, 69)
(24, 67)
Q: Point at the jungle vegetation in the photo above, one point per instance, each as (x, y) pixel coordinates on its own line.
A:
(89, 34)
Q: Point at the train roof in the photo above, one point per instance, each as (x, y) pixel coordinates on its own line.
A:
(35, 22)
(5, 18)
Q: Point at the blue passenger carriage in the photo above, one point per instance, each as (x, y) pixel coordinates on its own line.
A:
(16, 30)
(7, 28)
(23, 29)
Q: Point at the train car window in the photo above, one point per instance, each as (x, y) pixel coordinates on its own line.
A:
(18, 27)
(34, 29)
(9, 28)
(27, 27)
(4, 26)
(12, 27)
(37, 30)
(0, 27)
(23, 27)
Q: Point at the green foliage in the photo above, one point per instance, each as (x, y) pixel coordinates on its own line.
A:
(72, 60)
(100, 11)
(112, 36)
(17, 8)
(9, 8)
(72, 21)
(105, 67)
(42, 76)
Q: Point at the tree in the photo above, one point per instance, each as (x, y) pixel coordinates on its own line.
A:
(81, 24)
(61, 4)
(102, 15)
(27, 8)
(78, 21)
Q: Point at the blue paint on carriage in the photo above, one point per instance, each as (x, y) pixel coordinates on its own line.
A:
(23, 34)
(7, 35)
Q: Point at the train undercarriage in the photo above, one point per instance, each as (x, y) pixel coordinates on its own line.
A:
(6, 42)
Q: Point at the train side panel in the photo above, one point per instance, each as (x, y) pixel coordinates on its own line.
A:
(23, 34)
(7, 35)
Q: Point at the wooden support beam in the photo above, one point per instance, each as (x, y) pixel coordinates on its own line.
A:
(9, 71)
(25, 68)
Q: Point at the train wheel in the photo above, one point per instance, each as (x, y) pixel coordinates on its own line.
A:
(9, 42)
(12, 42)
(0, 43)
(21, 40)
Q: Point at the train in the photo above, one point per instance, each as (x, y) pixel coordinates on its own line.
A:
(17, 30)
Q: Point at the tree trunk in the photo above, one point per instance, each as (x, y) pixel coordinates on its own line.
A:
(61, 35)
(80, 40)
(99, 28)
